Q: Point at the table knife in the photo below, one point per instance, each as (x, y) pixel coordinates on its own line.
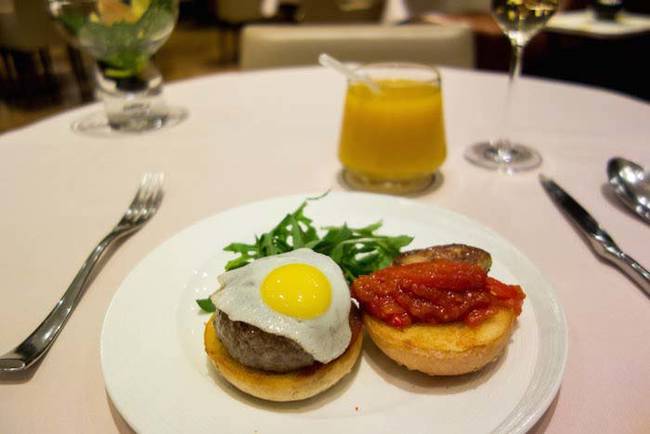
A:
(601, 242)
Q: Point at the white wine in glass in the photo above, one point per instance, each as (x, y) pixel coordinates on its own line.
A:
(520, 20)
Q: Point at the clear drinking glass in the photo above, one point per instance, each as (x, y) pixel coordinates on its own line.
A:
(393, 140)
(122, 35)
(520, 20)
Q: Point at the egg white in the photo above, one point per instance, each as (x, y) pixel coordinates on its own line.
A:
(325, 337)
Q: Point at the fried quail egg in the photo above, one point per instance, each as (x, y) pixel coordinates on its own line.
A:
(301, 295)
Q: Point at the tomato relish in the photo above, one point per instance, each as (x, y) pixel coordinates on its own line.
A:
(435, 293)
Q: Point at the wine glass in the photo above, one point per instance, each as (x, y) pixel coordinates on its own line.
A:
(520, 20)
(122, 35)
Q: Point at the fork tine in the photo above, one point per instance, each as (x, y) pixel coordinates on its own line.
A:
(159, 192)
(139, 195)
(147, 196)
(154, 198)
(139, 208)
(147, 189)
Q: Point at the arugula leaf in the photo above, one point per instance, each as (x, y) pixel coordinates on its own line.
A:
(357, 251)
(206, 304)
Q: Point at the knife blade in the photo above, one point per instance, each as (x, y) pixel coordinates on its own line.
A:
(599, 240)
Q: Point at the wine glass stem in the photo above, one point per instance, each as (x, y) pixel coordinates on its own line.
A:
(503, 144)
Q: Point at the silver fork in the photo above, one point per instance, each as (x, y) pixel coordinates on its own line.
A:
(144, 206)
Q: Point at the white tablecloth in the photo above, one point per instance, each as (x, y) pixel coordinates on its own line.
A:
(258, 135)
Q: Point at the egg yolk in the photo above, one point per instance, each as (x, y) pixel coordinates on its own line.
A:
(297, 290)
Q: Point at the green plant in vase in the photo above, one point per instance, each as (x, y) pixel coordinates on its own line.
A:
(122, 35)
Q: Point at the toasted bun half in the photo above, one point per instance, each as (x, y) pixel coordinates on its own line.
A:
(291, 386)
(445, 349)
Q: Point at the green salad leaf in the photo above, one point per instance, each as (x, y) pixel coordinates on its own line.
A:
(206, 304)
(125, 46)
(357, 251)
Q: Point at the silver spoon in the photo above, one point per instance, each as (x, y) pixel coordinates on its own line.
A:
(632, 185)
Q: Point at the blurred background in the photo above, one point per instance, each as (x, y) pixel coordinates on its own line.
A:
(42, 74)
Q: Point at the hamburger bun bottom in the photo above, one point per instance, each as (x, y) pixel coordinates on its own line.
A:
(444, 349)
(291, 386)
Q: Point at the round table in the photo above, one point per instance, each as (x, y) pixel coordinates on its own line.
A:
(251, 136)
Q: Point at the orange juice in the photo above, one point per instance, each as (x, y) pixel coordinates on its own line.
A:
(397, 134)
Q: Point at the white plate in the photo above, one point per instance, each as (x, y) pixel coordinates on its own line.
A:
(159, 378)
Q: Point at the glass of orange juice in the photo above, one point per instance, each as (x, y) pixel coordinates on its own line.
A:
(393, 140)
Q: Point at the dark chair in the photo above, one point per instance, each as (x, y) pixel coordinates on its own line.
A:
(27, 34)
